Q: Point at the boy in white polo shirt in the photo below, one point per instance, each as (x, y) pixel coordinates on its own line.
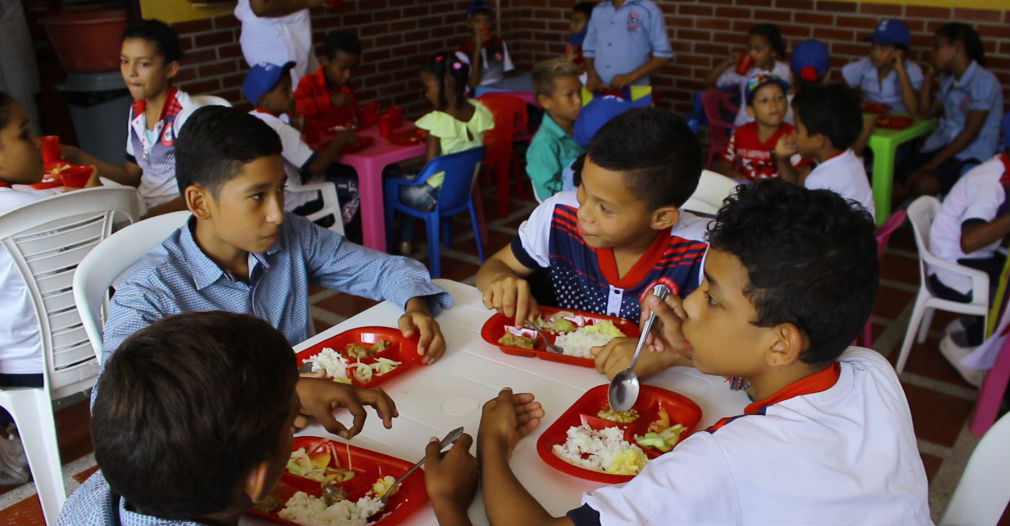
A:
(973, 219)
(828, 121)
(829, 439)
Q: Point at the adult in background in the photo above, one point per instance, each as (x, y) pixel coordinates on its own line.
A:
(19, 74)
(278, 31)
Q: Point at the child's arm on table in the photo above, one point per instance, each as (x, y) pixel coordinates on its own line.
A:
(976, 233)
(666, 341)
(320, 397)
(451, 480)
(417, 317)
(331, 152)
(869, 124)
(127, 173)
(504, 421)
(501, 279)
(277, 8)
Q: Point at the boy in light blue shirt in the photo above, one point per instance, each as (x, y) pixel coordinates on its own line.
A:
(626, 41)
(885, 75)
(559, 93)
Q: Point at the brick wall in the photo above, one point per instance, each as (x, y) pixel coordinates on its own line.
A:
(398, 35)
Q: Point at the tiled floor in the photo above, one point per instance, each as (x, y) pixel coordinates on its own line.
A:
(941, 402)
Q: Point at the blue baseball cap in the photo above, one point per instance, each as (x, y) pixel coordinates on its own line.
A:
(262, 78)
(478, 5)
(594, 115)
(890, 31)
(761, 80)
(810, 60)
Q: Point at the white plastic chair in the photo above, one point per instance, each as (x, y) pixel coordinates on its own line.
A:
(713, 187)
(921, 213)
(331, 203)
(204, 99)
(108, 261)
(46, 239)
(984, 489)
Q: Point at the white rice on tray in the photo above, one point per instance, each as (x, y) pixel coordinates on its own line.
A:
(579, 341)
(603, 450)
(332, 363)
(306, 509)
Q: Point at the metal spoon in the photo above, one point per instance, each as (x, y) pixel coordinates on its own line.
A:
(449, 439)
(625, 386)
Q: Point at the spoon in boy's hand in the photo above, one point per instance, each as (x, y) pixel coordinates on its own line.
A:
(624, 387)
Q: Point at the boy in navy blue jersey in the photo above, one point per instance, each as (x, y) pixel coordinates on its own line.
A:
(619, 234)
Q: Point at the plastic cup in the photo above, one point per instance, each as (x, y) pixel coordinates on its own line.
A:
(50, 148)
(368, 114)
(744, 64)
(76, 176)
(385, 125)
(396, 115)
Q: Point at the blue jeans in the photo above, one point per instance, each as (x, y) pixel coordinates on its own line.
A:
(422, 197)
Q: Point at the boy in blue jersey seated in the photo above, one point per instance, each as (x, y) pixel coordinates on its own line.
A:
(241, 252)
(615, 237)
(790, 278)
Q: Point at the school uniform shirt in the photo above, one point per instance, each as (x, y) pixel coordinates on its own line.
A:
(312, 99)
(730, 77)
(835, 447)
(94, 502)
(622, 40)
(276, 40)
(154, 150)
(845, 175)
(979, 194)
(864, 75)
(20, 344)
(455, 135)
(550, 151)
(296, 155)
(976, 90)
(749, 155)
(495, 60)
(585, 278)
(177, 276)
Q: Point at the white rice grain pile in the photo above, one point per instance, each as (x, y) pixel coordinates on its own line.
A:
(579, 341)
(601, 450)
(332, 363)
(306, 509)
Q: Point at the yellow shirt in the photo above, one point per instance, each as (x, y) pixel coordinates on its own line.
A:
(455, 135)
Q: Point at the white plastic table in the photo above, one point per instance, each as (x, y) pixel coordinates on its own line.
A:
(435, 399)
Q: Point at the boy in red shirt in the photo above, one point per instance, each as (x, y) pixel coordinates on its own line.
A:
(324, 98)
(748, 156)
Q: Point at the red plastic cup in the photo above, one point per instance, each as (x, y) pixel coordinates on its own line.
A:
(50, 148)
(745, 63)
(76, 176)
(368, 114)
(396, 115)
(386, 125)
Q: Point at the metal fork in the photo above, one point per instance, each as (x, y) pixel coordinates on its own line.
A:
(547, 343)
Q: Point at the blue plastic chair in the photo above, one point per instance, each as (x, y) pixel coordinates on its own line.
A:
(456, 196)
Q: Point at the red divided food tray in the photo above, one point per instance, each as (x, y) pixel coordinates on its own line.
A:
(494, 329)
(894, 122)
(368, 466)
(681, 409)
(409, 137)
(875, 107)
(401, 349)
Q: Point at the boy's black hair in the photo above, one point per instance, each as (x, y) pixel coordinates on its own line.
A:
(811, 260)
(958, 31)
(341, 41)
(214, 144)
(6, 103)
(657, 153)
(585, 8)
(447, 64)
(832, 110)
(771, 34)
(187, 406)
(160, 34)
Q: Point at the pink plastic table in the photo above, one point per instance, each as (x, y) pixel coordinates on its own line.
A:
(369, 163)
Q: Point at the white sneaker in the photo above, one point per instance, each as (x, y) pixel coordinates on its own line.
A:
(954, 353)
(13, 464)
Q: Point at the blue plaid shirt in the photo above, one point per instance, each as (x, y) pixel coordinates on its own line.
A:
(95, 503)
(177, 276)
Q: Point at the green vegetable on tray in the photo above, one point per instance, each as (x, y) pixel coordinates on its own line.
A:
(663, 440)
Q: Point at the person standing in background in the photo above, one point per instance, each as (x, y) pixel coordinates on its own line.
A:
(19, 73)
(278, 31)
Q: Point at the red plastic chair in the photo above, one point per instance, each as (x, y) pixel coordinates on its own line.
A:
(715, 102)
(884, 232)
(510, 120)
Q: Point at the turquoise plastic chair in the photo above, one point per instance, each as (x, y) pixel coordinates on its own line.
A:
(456, 196)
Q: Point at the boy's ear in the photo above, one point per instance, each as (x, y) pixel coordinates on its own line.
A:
(664, 217)
(172, 68)
(255, 483)
(197, 199)
(787, 344)
(544, 101)
(750, 110)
